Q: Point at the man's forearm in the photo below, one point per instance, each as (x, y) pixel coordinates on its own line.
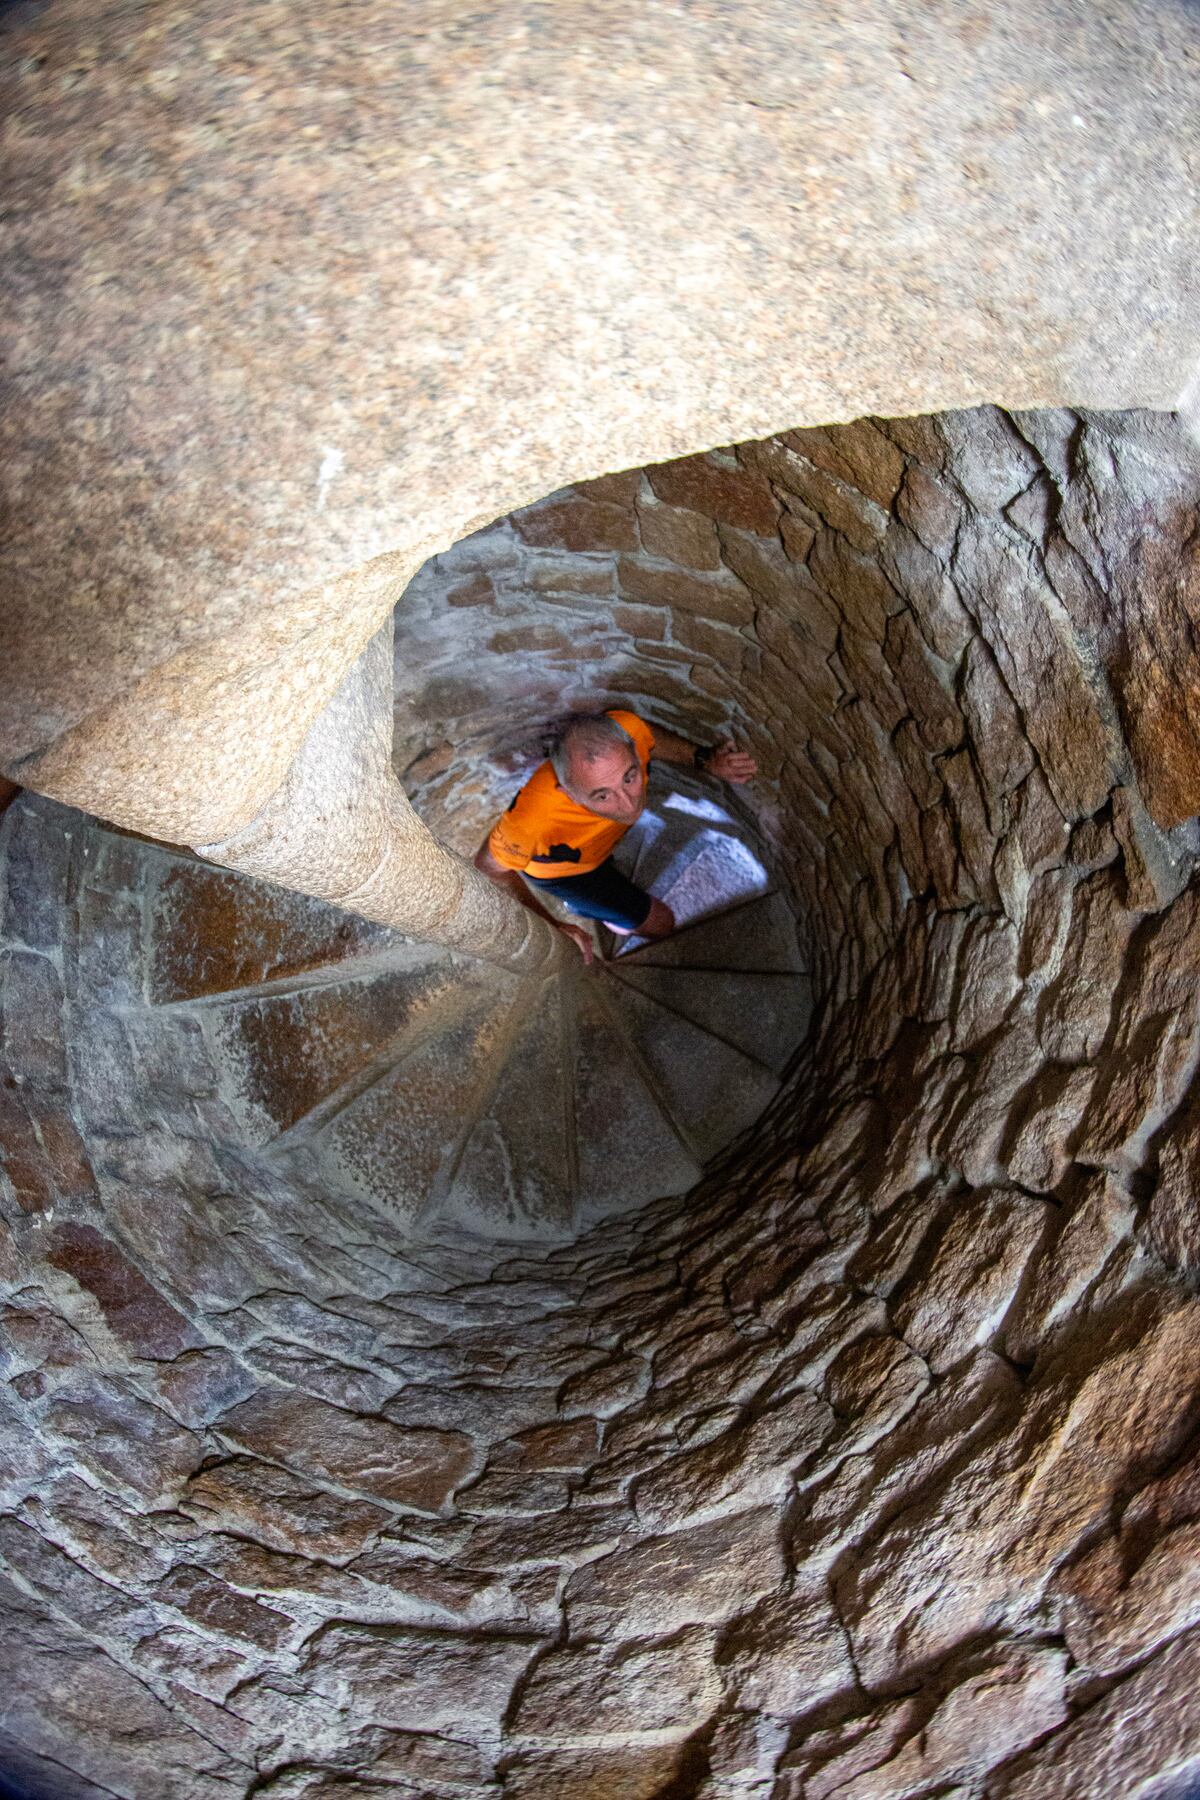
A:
(670, 748)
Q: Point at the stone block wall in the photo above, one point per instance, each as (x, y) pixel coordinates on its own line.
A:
(869, 1468)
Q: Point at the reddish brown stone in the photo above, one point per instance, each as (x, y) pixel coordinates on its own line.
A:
(959, 1299)
(569, 1444)
(258, 1500)
(700, 1576)
(480, 590)
(678, 535)
(65, 1154)
(215, 930)
(611, 490)
(730, 496)
(134, 1310)
(859, 454)
(721, 597)
(208, 1602)
(1175, 1202)
(617, 1774)
(1159, 704)
(412, 1467)
(588, 1691)
(579, 525)
(21, 1154)
(416, 1680)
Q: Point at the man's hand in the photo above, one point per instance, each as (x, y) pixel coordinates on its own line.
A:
(582, 941)
(729, 763)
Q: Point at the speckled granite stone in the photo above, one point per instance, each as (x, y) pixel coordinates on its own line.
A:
(292, 289)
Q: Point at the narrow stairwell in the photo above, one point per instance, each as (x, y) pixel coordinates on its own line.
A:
(456, 1095)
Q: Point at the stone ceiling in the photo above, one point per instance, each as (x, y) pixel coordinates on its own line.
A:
(291, 291)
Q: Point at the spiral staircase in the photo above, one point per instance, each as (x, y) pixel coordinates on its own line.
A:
(452, 1093)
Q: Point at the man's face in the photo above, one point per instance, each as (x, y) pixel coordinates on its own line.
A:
(611, 784)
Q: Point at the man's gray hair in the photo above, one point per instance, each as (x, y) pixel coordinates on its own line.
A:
(587, 735)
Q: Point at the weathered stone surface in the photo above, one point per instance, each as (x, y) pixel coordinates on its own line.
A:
(1099, 1219)
(719, 597)
(788, 1655)
(219, 1609)
(121, 1439)
(618, 1774)
(748, 1464)
(584, 1692)
(1141, 1734)
(1174, 1212)
(985, 1551)
(1013, 1696)
(549, 1507)
(133, 1310)
(700, 1576)
(1042, 1149)
(54, 1691)
(959, 1300)
(574, 523)
(679, 535)
(415, 1467)
(987, 980)
(416, 1681)
(1136, 1589)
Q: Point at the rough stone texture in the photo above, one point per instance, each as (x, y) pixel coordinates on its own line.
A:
(866, 1468)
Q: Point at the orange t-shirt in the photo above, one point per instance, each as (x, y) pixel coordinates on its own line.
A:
(545, 833)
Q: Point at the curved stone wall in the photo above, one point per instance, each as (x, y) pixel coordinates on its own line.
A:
(867, 1469)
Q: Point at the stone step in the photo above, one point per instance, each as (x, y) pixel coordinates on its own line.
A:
(291, 1054)
(763, 1015)
(515, 1175)
(714, 871)
(458, 1097)
(628, 1148)
(398, 1144)
(214, 932)
(709, 1090)
(664, 857)
(758, 935)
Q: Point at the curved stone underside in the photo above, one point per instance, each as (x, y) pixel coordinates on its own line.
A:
(869, 1467)
(294, 297)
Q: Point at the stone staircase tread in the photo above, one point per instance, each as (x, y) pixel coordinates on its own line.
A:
(722, 874)
(298, 1056)
(757, 936)
(349, 971)
(710, 1090)
(513, 1176)
(764, 1015)
(214, 931)
(630, 1149)
(397, 1143)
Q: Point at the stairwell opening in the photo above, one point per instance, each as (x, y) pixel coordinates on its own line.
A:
(866, 1467)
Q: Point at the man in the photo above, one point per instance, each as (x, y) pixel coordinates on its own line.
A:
(560, 831)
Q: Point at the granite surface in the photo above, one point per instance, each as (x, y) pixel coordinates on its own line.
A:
(293, 289)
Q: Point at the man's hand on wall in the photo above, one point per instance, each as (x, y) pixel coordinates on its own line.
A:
(729, 763)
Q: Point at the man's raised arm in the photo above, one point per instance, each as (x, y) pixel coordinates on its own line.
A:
(724, 760)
